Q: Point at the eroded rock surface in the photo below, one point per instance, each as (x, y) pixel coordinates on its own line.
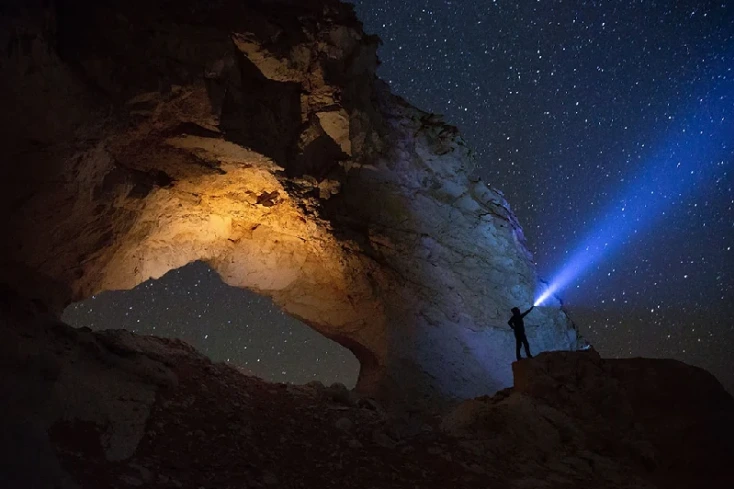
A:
(142, 135)
(115, 410)
(629, 422)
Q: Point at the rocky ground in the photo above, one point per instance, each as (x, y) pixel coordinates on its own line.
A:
(222, 429)
(124, 411)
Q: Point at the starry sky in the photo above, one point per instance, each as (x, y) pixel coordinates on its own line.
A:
(574, 110)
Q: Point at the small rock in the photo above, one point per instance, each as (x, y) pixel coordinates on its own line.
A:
(382, 440)
(338, 392)
(367, 403)
(132, 481)
(268, 199)
(316, 385)
(270, 479)
(344, 424)
(144, 472)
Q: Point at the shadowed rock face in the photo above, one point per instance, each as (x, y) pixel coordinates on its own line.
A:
(112, 409)
(141, 136)
(662, 422)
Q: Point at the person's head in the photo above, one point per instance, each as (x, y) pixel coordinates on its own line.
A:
(515, 310)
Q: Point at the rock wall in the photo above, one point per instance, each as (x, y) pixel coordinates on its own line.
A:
(141, 136)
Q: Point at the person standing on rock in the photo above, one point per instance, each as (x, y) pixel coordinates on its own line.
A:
(518, 326)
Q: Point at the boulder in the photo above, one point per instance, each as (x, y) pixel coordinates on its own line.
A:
(663, 421)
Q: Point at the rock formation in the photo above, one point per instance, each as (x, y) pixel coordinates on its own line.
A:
(111, 409)
(659, 420)
(142, 135)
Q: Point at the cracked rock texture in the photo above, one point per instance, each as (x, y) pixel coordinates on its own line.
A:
(142, 135)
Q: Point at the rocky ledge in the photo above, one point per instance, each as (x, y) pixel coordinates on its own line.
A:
(111, 409)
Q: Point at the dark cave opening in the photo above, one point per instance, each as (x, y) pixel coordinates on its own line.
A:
(225, 323)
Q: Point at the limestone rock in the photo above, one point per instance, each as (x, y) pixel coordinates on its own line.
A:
(141, 136)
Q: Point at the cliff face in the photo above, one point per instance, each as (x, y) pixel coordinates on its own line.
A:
(141, 136)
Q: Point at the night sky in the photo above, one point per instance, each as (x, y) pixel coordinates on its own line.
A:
(601, 119)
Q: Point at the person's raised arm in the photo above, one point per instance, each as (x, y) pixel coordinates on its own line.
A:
(526, 312)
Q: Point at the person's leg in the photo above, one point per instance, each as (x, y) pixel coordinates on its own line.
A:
(527, 346)
(518, 342)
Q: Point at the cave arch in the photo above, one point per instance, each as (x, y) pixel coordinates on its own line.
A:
(225, 323)
(256, 138)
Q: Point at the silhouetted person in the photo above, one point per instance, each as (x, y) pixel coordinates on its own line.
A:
(518, 326)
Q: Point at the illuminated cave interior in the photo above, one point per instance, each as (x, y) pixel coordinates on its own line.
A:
(226, 323)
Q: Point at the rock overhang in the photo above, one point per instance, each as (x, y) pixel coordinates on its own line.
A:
(264, 145)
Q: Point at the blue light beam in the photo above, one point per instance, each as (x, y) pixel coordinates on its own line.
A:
(695, 150)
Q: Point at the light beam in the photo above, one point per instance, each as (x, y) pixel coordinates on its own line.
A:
(697, 148)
